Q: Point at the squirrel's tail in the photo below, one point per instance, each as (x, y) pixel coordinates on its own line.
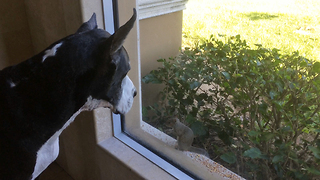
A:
(199, 151)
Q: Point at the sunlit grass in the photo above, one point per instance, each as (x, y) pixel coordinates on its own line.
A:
(288, 25)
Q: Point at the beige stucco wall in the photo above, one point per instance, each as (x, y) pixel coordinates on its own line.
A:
(160, 37)
(50, 20)
(15, 38)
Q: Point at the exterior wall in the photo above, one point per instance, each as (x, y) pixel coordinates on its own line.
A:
(15, 38)
(160, 37)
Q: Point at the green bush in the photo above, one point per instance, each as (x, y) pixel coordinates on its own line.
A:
(262, 104)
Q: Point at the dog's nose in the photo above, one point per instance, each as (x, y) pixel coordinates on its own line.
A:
(134, 93)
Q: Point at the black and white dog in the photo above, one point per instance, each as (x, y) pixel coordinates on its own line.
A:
(41, 96)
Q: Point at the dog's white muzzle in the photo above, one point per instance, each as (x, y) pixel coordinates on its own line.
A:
(127, 95)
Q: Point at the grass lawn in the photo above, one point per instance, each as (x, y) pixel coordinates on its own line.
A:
(288, 25)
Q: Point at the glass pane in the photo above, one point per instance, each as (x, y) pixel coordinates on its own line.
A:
(158, 43)
(237, 84)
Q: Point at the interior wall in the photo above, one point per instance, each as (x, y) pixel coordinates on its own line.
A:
(15, 37)
(29, 26)
(50, 20)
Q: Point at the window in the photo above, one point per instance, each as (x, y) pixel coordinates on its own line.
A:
(229, 85)
(132, 119)
(173, 161)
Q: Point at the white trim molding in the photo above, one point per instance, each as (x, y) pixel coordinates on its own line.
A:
(152, 8)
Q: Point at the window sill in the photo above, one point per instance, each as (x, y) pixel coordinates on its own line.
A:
(133, 160)
(112, 156)
(199, 165)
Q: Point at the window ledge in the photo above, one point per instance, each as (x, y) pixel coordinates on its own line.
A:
(129, 153)
(212, 168)
(152, 8)
(136, 162)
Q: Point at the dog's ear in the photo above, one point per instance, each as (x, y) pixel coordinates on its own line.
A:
(120, 35)
(89, 25)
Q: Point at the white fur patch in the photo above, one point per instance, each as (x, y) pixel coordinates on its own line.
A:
(46, 155)
(50, 150)
(92, 104)
(11, 83)
(126, 99)
(51, 52)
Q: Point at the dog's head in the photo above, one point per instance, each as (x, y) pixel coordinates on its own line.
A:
(111, 64)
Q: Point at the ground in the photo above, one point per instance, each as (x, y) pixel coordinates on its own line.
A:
(289, 25)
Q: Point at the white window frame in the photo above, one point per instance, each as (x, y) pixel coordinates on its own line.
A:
(152, 8)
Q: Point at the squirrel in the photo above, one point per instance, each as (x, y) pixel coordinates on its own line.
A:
(185, 137)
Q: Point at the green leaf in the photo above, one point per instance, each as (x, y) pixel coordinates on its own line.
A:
(272, 94)
(190, 119)
(253, 153)
(144, 111)
(224, 136)
(286, 129)
(299, 175)
(259, 63)
(151, 78)
(313, 170)
(171, 82)
(278, 158)
(315, 151)
(198, 128)
(317, 130)
(194, 84)
(316, 67)
(253, 133)
(226, 75)
(229, 157)
(266, 136)
(263, 107)
(304, 63)
(280, 86)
